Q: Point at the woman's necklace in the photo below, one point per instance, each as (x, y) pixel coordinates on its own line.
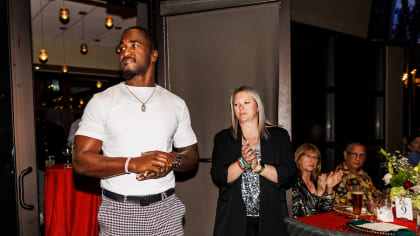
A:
(143, 104)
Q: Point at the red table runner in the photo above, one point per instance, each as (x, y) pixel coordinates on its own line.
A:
(337, 221)
(71, 203)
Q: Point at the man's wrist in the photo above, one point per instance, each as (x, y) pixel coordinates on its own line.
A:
(127, 161)
(177, 162)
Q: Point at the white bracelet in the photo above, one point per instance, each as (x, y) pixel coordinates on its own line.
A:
(126, 165)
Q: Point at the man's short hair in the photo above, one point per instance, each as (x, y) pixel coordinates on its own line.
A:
(148, 35)
(351, 144)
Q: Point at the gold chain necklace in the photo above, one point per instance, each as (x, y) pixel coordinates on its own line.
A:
(143, 104)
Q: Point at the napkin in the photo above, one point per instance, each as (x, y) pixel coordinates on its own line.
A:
(382, 226)
(379, 228)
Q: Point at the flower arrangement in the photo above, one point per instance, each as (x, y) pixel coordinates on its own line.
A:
(403, 179)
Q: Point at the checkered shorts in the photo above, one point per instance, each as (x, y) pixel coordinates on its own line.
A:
(162, 218)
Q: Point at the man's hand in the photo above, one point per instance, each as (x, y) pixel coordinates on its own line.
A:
(153, 165)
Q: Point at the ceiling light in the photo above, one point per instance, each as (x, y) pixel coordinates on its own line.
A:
(83, 48)
(117, 48)
(64, 69)
(64, 15)
(43, 55)
(109, 22)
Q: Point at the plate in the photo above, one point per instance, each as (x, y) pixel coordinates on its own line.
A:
(347, 209)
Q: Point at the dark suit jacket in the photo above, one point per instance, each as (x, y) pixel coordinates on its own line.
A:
(230, 212)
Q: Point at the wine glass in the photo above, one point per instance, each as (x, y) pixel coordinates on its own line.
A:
(67, 153)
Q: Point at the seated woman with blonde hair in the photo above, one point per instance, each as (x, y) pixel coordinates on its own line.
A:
(309, 198)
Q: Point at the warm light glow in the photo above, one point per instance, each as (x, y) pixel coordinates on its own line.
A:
(118, 50)
(83, 48)
(109, 22)
(413, 72)
(43, 56)
(71, 99)
(404, 77)
(81, 102)
(64, 69)
(99, 84)
(36, 67)
(64, 15)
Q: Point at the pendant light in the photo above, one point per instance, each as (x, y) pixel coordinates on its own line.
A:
(64, 67)
(109, 22)
(117, 48)
(98, 84)
(83, 46)
(43, 55)
(64, 14)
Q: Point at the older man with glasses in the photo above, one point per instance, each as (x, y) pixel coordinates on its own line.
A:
(354, 158)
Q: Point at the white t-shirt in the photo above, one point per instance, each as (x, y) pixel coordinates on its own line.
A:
(114, 116)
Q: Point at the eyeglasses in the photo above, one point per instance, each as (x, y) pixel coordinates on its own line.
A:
(315, 158)
(355, 154)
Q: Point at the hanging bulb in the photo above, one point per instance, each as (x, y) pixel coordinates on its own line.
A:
(109, 22)
(83, 48)
(99, 84)
(64, 69)
(117, 49)
(64, 15)
(43, 56)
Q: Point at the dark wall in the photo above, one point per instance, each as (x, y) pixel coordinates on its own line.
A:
(356, 90)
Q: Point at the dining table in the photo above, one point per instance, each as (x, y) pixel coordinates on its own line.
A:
(331, 223)
(71, 202)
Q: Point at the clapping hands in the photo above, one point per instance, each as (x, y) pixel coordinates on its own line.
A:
(249, 155)
(334, 178)
(328, 182)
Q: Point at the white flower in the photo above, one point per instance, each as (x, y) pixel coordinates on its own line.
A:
(416, 168)
(387, 178)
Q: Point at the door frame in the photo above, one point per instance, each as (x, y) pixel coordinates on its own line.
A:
(23, 116)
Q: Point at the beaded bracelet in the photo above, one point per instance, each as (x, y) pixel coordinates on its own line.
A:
(262, 167)
(242, 165)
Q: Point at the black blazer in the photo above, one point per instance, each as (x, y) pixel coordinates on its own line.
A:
(230, 212)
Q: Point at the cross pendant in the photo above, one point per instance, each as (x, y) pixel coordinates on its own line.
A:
(143, 107)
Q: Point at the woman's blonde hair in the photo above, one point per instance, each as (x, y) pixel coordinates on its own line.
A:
(263, 123)
(305, 149)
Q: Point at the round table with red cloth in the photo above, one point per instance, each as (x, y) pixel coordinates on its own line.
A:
(71, 203)
(330, 223)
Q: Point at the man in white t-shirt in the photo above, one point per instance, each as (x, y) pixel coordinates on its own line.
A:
(136, 124)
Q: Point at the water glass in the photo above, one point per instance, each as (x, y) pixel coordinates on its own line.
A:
(67, 153)
(50, 161)
(371, 209)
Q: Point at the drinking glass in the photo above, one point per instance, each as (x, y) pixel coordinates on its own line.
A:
(50, 161)
(67, 153)
(356, 200)
(371, 209)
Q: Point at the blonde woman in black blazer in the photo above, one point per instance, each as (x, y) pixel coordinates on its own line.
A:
(252, 166)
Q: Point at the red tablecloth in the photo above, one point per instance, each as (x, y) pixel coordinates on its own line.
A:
(337, 221)
(71, 203)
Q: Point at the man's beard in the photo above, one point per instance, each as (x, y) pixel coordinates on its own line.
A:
(129, 74)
